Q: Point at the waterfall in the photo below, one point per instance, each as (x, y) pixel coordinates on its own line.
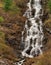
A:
(34, 33)
(33, 39)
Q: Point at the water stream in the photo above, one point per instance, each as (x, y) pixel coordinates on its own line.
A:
(34, 32)
(33, 40)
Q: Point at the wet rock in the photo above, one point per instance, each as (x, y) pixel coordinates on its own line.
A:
(33, 12)
(45, 16)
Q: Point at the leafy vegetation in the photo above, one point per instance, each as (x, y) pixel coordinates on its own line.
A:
(7, 5)
(1, 19)
(15, 9)
(49, 5)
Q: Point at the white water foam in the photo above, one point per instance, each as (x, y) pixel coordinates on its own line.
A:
(33, 32)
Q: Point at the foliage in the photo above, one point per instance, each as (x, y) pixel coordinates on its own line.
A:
(7, 5)
(1, 19)
(49, 5)
(16, 9)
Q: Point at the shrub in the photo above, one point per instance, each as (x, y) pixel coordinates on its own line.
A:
(49, 5)
(1, 19)
(16, 10)
(7, 4)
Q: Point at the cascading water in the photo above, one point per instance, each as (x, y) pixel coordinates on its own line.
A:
(33, 38)
(32, 35)
(34, 32)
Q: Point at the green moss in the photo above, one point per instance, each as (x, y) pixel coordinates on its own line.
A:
(1, 19)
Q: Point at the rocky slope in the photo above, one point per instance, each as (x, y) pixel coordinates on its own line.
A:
(10, 45)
